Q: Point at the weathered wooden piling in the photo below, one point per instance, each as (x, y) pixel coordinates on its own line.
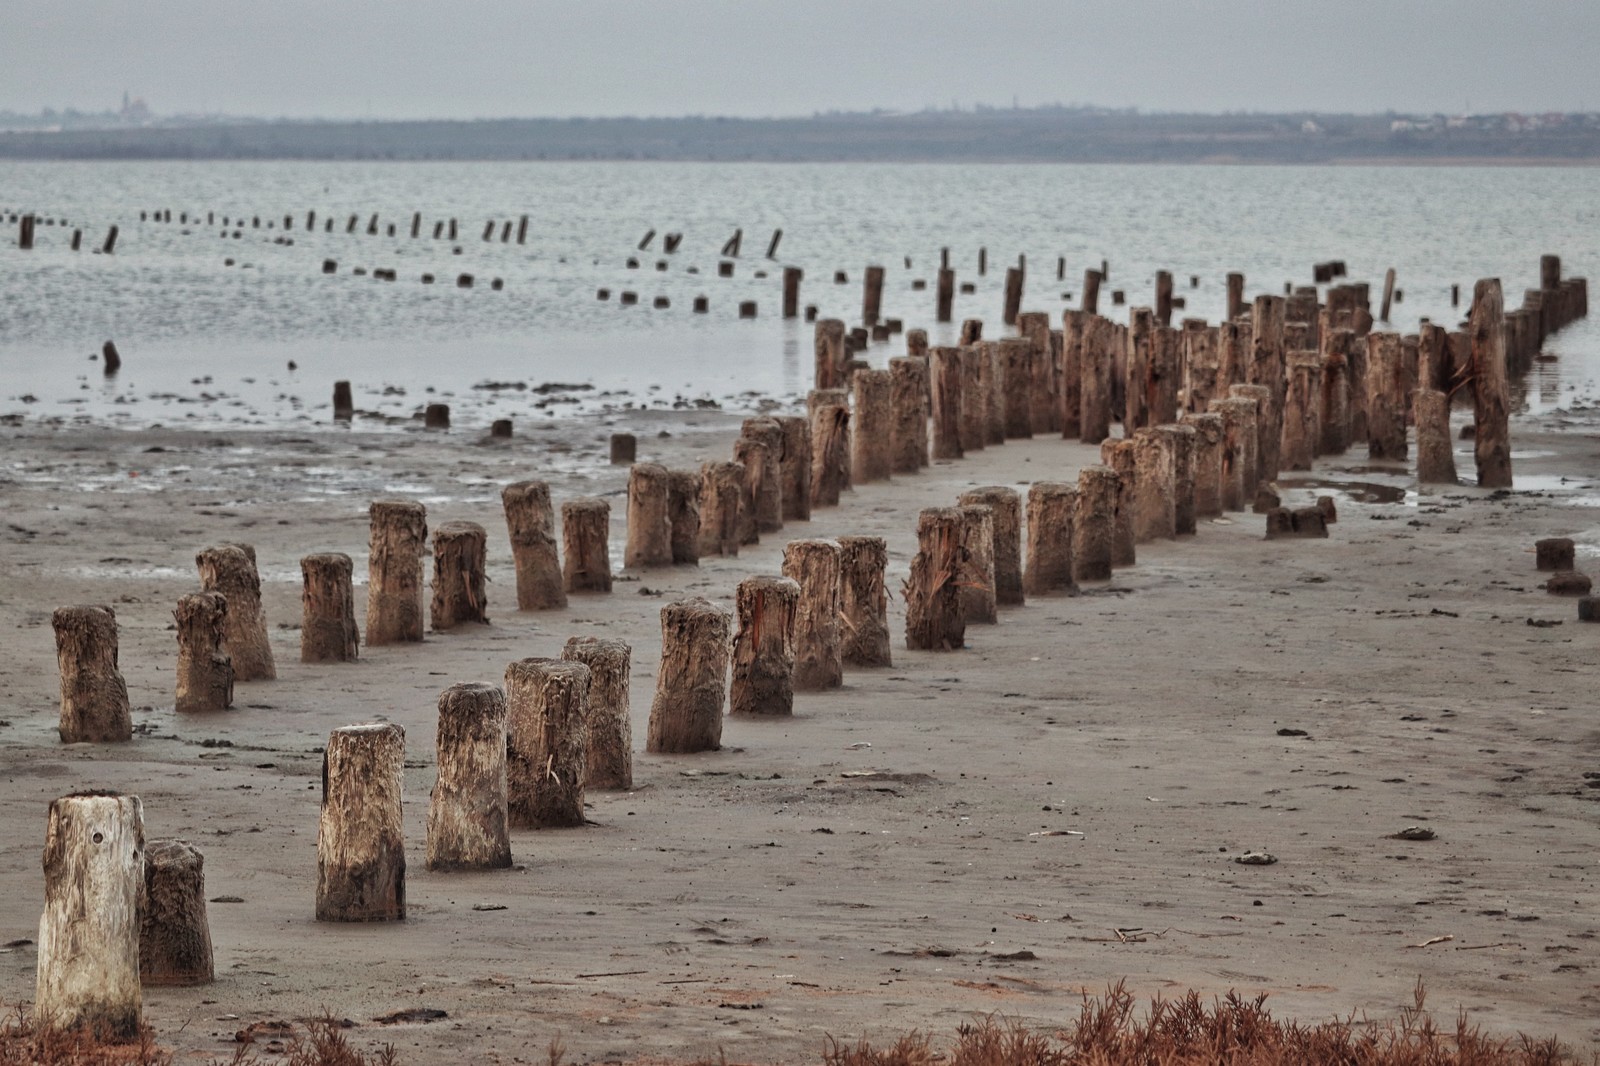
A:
(436, 416)
(683, 511)
(872, 295)
(794, 468)
(1302, 419)
(863, 601)
(1154, 500)
(1090, 301)
(1017, 357)
(934, 617)
(1013, 295)
(917, 343)
(992, 382)
(829, 411)
(947, 402)
(361, 854)
(1164, 297)
(531, 524)
(1555, 553)
(649, 541)
(692, 681)
(459, 583)
(547, 743)
(767, 484)
(721, 489)
(87, 973)
(1093, 525)
(1118, 454)
(1492, 440)
(609, 762)
(396, 544)
(1334, 436)
(1095, 368)
(829, 353)
(1180, 442)
(1208, 463)
(1052, 528)
(1388, 294)
(624, 449)
(328, 632)
(1006, 518)
(468, 821)
(978, 604)
(231, 570)
(205, 672)
(1386, 397)
(815, 565)
(971, 332)
(585, 540)
(972, 428)
(500, 429)
(792, 277)
(174, 934)
(1299, 523)
(908, 428)
(872, 442)
(764, 648)
(1198, 359)
(343, 406)
(1138, 355)
(1436, 463)
(25, 229)
(1267, 368)
(94, 697)
(945, 297)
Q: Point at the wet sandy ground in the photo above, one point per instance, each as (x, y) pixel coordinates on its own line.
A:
(757, 898)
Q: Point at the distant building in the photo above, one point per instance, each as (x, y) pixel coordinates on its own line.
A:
(135, 112)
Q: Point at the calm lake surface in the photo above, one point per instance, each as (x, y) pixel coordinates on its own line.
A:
(206, 343)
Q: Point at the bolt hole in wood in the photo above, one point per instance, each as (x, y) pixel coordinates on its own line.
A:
(99, 838)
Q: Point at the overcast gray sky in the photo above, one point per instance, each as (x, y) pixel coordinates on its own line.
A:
(497, 58)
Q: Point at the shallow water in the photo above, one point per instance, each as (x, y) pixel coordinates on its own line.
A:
(208, 344)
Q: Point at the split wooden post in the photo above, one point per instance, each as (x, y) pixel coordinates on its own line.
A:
(683, 510)
(585, 540)
(973, 426)
(93, 695)
(829, 353)
(1492, 442)
(459, 592)
(1052, 524)
(1436, 462)
(468, 827)
(361, 854)
(531, 523)
(721, 489)
(87, 975)
(934, 617)
(1209, 432)
(1155, 515)
(864, 601)
(871, 443)
(814, 564)
(205, 673)
(795, 467)
(1093, 523)
(971, 332)
(751, 455)
(1006, 507)
(1118, 454)
(1386, 417)
(872, 295)
(829, 410)
(547, 742)
(231, 570)
(768, 487)
(692, 681)
(174, 934)
(947, 405)
(610, 731)
(764, 648)
(649, 540)
(977, 589)
(908, 427)
(398, 540)
(328, 631)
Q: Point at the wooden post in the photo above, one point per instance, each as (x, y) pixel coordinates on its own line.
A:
(1335, 430)
(87, 975)
(468, 827)
(624, 449)
(721, 488)
(1140, 351)
(1094, 380)
(947, 405)
(1093, 524)
(1154, 505)
(972, 426)
(764, 648)
(1074, 326)
(794, 468)
(1118, 454)
(1267, 368)
(436, 416)
(1017, 354)
(459, 594)
(871, 443)
(361, 855)
(908, 426)
(585, 536)
(1492, 443)
(1388, 294)
(1006, 508)
(1013, 304)
(971, 332)
(872, 295)
(772, 245)
(1164, 376)
(1302, 420)
(829, 354)
(610, 730)
(792, 277)
(992, 380)
(1090, 302)
(1206, 451)
(328, 631)
(1238, 450)
(547, 742)
(1198, 358)
(978, 605)
(767, 488)
(110, 358)
(1235, 306)
(934, 618)
(231, 570)
(1386, 417)
(864, 603)
(1052, 528)
(205, 673)
(692, 681)
(1554, 554)
(1180, 444)
(683, 511)
(1436, 464)
(1233, 359)
(531, 523)
(1164, 297)
(943, 310)
(25, 233)
(343, 406)
(649, 540)
(1044, 395)
(399, 537)
(830, 445)
(174, 935)
(814, 564)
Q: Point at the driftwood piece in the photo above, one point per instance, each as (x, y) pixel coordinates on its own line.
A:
(459, 580)
(814, 565)
(468, 827)
(531, 523)
(398, 541)
(87, 974)
(864, 601)
(692, 681)
(361, 854)
(94, 697)
(610, 759)
(763, 648)
(174, 934)
(231, 570)
(205, 673)
(328, 631)
(547, 742)
(934, 617)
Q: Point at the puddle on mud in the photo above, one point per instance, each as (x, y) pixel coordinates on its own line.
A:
(1353, 491)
